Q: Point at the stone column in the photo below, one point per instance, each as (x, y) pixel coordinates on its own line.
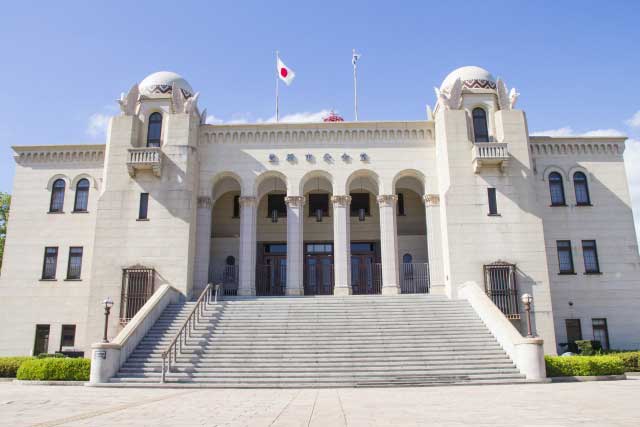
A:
(203, 244)
(434, 248)
(389, 244)
(295, 267)
(341, 245)
(247, 285)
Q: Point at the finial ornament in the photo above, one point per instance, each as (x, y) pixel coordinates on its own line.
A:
(506, 100)
(182, 103)
(129, 102)
(451, 97)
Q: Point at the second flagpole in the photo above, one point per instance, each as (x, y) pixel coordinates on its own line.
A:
(277, 88)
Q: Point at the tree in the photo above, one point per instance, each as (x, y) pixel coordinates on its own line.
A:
(5, 202)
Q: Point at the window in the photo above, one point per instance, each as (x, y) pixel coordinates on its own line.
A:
(75, 263)
(41, 344)
(154, 130)
(276, 202)
(57, 196)
(493, 203)
(275, 248)
(50, 262)
(236, 206)
(360, 201)
(582, 189)
(144, 206)
(230, 260)
(590, 255)
(556, 189)
(319, 248)
(68, 336)
(362, 247)
(407, 259)
(565, 257)
(574, 333)
(480, 130)
(601, 332)
(318, 201)
(401, 204)
(82, 196)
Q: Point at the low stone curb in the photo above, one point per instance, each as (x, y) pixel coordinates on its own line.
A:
(6, 380)
(632, 375)
(66, 383)
(588, 378)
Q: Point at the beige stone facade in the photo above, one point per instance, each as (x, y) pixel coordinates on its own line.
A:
(340, 207)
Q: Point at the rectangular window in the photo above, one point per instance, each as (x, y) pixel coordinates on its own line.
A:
(401, 204)
(318, 201)
(236, 206)
(360, 201)
(144, 206)
(574, 333)
(68, 337)
(493, 203)
(601, 332)
(41, 344)
(276, 202)
(565, 257)
(50, 263)
(74, 267)
(590, 255)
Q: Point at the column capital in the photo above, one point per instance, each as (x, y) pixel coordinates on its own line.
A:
(294, 201)
(387, 199)
(204, 202)
(431, 199)
(341, 201)
(247, 200)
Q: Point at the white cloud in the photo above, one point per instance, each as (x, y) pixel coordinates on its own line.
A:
(568, 131)
(634, 121)
(304, 117)
(563, 131)
(243, 118)
(98, 124)
(213, 120)
(631, 160)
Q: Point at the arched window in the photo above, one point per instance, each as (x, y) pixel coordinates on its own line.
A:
(230, 260)
(582, 189)
(407, 259)
(155, 130)
(82, 196)
(556, 189)
(57, 196)
(480, 129)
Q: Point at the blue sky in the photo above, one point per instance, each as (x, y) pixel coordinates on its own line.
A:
(64, 63)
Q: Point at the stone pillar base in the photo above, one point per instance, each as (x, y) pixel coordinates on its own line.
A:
(294, 292)
(341, 291)
(437, 290)
(390, 290)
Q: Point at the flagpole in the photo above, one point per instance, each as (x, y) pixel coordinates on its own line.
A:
(277, 89)
(355, 84)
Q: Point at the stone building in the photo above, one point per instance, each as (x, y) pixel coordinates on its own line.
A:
(339, 207)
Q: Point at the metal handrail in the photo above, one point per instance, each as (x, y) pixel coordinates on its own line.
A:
(187, 327)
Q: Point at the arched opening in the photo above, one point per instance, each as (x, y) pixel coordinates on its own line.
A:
(271, 235)
(154, 131)
(480, 128)
(82, 196)
(366, 268)
(318, 248)
(57, 196)
(225, 234)
(581, 188)
(412, 235)
(556, 189)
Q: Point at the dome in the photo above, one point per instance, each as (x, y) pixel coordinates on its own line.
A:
(333, 117)
(472, 77)
(160, 83)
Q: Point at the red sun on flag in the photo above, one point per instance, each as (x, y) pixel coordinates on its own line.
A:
(283, 72)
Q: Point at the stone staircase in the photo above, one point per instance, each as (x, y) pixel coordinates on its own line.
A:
(404, 340)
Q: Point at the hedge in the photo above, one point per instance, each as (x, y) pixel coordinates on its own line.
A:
(9, 365)
(630, 359)
(55, 369)
(566, 366)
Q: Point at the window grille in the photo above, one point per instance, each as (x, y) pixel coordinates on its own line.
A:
(500, 286)
(137, 287)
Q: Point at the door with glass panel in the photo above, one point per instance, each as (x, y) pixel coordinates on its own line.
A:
(366, 271)
(318, 269)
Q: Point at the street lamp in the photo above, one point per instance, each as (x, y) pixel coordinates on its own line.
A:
(527, 299)
(108, 303)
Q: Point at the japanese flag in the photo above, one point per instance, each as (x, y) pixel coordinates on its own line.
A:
(285, 73)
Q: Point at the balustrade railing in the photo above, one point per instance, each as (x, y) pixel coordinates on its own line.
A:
(414, 278)
(491, 150)
(181, 339)
(145, 158)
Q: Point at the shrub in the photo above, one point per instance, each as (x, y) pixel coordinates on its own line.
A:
(9, 365)
(630, 359)
(584, 365)
(55, 369)
(587, 347)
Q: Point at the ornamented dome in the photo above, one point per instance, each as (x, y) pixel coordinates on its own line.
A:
(161, 83)
(472, 78)
(333, 117)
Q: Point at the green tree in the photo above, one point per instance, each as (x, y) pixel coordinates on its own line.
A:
(5, 202)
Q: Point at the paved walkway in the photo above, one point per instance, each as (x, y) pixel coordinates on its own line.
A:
(614, 403)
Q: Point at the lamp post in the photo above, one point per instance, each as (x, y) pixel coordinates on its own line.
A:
(108, 303)
(527, 299)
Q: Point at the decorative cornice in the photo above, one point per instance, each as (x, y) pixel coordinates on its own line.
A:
(247, 200)
(551, 146)
(59, 154)
(204, 202)
(385, 200)
(431, 200)
(294, 201)
(340, 132)
(341, 201)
